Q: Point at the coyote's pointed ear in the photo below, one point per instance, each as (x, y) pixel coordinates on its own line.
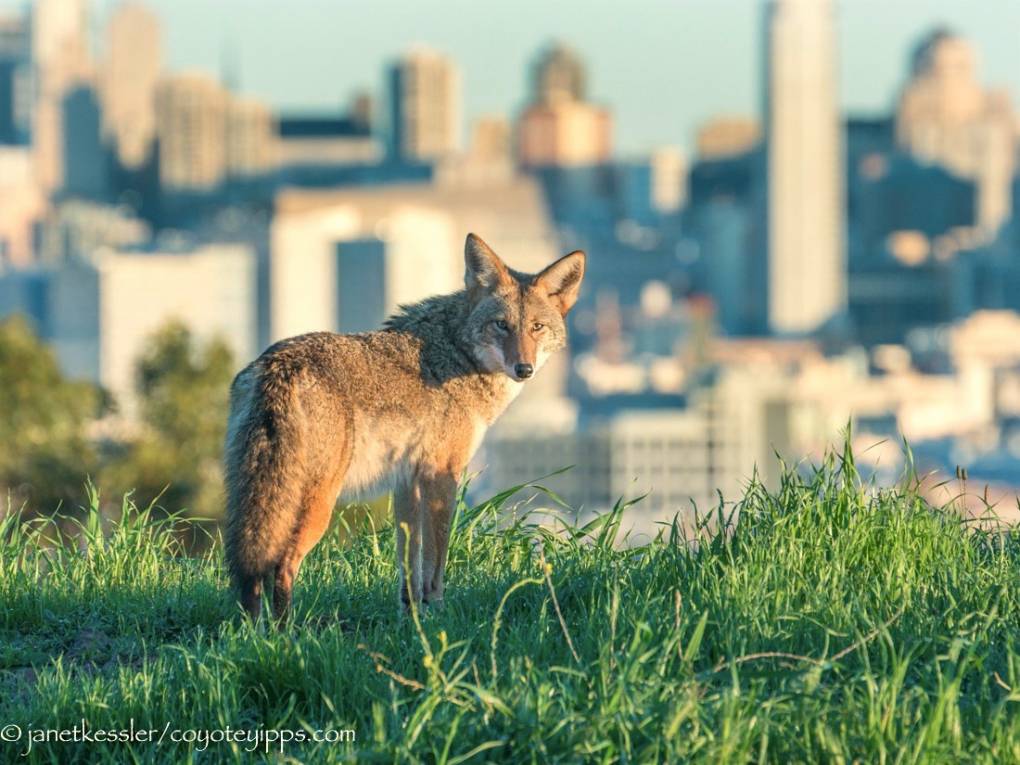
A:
(483, 269)
(562, 280)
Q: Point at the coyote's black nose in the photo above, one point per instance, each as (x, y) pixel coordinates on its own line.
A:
(524, 371)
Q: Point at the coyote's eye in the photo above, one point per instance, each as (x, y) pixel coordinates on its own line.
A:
(501, 324)
(537, 326)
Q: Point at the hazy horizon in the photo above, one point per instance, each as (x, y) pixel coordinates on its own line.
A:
(314, 54)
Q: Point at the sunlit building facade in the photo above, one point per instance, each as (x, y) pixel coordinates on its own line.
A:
(806, 227)
(129, 75)
(425, 107)
(945, 116)
(191, 116)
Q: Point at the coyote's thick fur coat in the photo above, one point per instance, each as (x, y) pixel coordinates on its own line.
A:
(408, 404)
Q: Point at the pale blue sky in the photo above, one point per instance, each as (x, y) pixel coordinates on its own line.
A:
(663, 65)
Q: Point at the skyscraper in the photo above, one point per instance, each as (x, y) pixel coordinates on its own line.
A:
(83, 166)
(15, 79)
(565, 133)
(945, 116)
(129, 76)
(191, 125)
(559, 128)
(250, 137)
(105, 308)
(668, 179)
(425, 107)
(559, 74)
(60, 35)
(491, 139)
(62, 61)
(806, 247)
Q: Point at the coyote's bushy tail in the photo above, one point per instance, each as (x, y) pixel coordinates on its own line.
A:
(264, 470)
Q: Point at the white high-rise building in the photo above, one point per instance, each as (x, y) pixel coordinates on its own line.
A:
(60, 33)
(333, 270)
(559, 127)
(425, 107)
(105, 310)
(191, 123)
(61, 59)
(249, 137)
(669, 179)
(22, 203)
(806, 248)
(128, 86)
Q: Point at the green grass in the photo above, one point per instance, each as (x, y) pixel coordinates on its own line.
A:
(831, 622)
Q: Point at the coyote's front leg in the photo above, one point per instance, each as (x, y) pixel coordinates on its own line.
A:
(438, 492)
(407, 512)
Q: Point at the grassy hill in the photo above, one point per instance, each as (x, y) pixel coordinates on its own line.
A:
(829, 621)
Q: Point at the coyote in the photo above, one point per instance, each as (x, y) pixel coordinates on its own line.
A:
(405, 407)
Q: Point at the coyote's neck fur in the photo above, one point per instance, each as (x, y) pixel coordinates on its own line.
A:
(439, 325)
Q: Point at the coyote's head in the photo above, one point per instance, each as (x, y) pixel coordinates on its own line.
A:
(516, 319)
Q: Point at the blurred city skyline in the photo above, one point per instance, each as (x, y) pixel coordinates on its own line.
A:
(327, 63)
(831, 248)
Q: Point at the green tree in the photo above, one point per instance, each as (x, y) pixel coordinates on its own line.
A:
(45, 452)
(183, 395)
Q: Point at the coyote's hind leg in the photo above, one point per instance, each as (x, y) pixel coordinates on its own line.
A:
(316, 513)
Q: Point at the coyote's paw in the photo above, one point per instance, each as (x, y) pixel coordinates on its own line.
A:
(434, 603)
